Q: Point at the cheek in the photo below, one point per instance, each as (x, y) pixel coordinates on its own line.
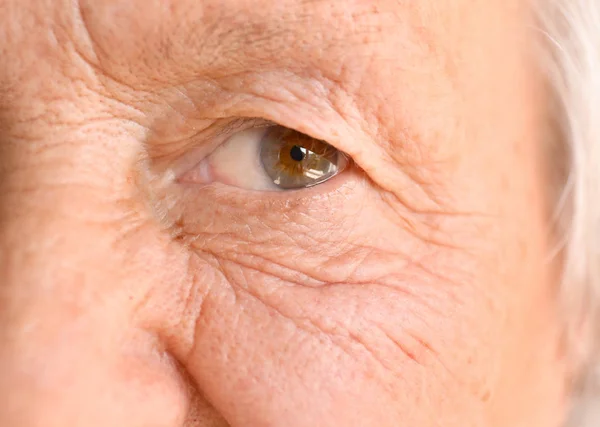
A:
(315, 305)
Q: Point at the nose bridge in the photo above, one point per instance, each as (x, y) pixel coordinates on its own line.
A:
(59, 201)
(49, 305)
(61, 321)
(55, 223)
(71, 353)
(67, 161)
(46, 247)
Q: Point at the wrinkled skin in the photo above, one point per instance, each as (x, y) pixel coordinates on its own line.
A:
(411, 290)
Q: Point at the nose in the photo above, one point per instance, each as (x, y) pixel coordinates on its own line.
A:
(73, 350)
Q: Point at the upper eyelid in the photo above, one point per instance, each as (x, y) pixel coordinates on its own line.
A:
(247, 105)
(203, 143)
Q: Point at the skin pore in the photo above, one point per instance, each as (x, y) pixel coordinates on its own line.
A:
(413, 289)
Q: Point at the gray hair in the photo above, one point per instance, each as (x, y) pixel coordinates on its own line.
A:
(571, 63)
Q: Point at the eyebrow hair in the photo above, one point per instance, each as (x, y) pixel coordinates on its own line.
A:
(216, 37)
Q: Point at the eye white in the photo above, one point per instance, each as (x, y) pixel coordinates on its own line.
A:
(237, 161)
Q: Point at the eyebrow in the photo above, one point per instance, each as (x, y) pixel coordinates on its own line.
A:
(224, 37)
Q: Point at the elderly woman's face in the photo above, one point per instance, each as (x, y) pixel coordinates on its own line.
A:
(173, 252)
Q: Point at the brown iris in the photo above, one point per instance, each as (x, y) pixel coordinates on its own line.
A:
(295, 160)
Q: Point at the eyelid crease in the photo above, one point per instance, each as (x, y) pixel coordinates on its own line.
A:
(244, 123)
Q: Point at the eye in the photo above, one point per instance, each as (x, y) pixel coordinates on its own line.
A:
(270, 158)
(294, 160)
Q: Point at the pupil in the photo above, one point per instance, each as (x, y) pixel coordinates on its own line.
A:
(297, 153)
